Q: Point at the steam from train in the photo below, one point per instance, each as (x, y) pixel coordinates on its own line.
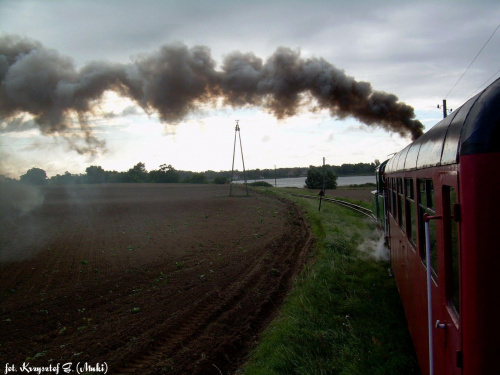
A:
(176, 80)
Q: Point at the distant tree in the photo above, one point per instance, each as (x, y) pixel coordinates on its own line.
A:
(166, 174)
(5, 179)
(137, 174)
(95, 175)
(115, 177)
(34, 176)
(315, 176)
(254, 174)
(65, 179)
(221, 180)
(359, 169)
(196, 178)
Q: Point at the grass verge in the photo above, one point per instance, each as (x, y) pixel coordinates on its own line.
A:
(343, 315)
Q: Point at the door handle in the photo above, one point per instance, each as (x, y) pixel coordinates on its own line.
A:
(440, 325)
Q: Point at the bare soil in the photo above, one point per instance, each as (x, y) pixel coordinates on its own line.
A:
(147, 278)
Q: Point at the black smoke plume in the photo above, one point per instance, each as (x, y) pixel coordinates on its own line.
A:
(174, 81)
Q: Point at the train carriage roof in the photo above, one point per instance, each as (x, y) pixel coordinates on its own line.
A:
(474, 128)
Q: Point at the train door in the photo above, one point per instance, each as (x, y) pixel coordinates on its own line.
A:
(447, 328)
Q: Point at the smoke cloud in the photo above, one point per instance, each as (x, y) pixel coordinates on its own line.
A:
(375, 248)
(21, 231)
(176, 80)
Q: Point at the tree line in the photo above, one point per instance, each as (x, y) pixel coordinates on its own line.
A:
(166, 173)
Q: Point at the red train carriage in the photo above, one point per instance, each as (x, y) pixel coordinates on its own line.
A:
(450, 178)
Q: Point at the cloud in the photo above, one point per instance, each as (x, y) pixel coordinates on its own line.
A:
(17, 124)
(176, 81)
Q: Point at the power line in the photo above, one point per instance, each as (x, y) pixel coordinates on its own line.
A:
(481, 50)
(483, 84)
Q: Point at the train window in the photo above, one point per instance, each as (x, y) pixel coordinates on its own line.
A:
(452, 264)
(409, 188)
(411, 229)
(421, 193)
(426, 205)
(388, 196)
(401, 207)
(393, 197)
(426, 193)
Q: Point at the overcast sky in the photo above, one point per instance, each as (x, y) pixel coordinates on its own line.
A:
(415, 50)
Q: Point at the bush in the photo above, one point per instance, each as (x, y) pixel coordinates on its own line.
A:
(196, 178)
(221, 180)
(315, 176)
(261, 183)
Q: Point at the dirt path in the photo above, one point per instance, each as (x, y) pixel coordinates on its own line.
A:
(145, 278)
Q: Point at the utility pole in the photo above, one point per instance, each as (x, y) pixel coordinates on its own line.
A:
(275, 185)
(323, 173)
(237, 131)
(322, 192)
(445, 110)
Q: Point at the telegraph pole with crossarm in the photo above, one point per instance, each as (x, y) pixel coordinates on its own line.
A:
(237, 132)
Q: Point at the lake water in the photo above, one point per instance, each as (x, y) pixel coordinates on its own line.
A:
(300, 181)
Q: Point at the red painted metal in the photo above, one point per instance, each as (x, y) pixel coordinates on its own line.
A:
(467, 343)
(461, 156)
(480, 308)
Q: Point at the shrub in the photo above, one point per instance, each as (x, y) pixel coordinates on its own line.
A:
(316, 175)
(221, 180)
(261, 183)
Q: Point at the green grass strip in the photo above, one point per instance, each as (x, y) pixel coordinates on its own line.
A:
(344, 314)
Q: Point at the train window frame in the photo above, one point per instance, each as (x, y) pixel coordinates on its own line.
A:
(390, 204)
(401, 207)
(387, 195)
(452, 249)
(411, 212)
(393, 198)
(426, 204)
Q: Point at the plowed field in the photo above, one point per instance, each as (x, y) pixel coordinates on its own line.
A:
(147, 278)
